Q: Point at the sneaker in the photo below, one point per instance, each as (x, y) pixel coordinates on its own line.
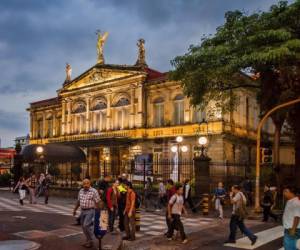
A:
(169, 238)
(184, 241)
(253, 241)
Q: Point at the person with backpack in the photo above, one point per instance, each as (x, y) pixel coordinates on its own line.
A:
(175, 209)
(129, 212)
(239, 213)
(31, 182)
(170, 191)
(22, 188)
(267, 203)
(121, 204)
(112, 196)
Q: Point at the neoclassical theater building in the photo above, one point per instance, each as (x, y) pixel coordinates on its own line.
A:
(115, 112)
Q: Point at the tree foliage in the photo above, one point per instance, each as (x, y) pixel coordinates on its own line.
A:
(264, 44)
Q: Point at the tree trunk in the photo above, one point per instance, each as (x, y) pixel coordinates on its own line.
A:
(297, 145)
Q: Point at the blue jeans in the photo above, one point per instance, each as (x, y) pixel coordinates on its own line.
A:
(236, 222)
(289, 241)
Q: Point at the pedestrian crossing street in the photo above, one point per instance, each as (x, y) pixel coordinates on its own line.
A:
(155, 224)
(264, 238)
(14, 206)
(151, 224)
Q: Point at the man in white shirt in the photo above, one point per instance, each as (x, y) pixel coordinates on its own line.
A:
(238, 201)
(291, 219)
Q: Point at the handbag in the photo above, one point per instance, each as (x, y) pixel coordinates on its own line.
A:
(241, 211)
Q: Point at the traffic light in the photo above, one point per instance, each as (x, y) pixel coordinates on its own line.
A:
(266, 156)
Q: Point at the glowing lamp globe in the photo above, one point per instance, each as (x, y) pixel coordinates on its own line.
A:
(202, 140)
(184, 149)
(174, 149)
(39, 149)
(179, 139)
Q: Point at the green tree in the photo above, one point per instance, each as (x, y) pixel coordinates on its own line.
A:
(265, 44)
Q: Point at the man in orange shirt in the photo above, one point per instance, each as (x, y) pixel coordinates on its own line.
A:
(129, 212)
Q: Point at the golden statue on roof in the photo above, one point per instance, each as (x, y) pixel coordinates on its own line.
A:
(100, 43)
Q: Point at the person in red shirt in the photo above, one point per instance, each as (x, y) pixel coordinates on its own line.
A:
(112, 196)
(129, 212)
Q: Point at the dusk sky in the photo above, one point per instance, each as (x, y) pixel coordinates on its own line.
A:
(38, 37)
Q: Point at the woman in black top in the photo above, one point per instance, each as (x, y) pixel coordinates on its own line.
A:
(267, 203)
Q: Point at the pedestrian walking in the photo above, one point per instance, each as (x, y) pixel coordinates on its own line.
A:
(248, 191)
(112, 196)
(31, 182)
(219, 199)
(239, 213)
(46, 186)
(170, 191)
(267, 203)
(291, 219)
(121, 203)
(175, 209)
(161, 195)
(148, 193)
(129, 213)
(88, 200)
(21, 187)
(188, 195)
(39, 188)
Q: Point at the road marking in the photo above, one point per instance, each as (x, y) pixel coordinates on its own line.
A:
(264, 237)
(9, 207)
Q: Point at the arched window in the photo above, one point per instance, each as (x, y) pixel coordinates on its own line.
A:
(40, 128)
(178, 109)
(158, 112)
(100, 104)
(79, 108)
(123, 101)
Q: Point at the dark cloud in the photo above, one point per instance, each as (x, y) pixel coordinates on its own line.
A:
(37, 38)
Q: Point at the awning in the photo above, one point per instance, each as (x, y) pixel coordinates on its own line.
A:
(53, 153)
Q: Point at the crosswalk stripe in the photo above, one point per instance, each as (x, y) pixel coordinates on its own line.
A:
(15, 206)
(9, 207)
(63, 208)
(264, 237)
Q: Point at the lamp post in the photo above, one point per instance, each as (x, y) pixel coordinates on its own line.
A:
(40, 154)
(178, 149)
(202, 141)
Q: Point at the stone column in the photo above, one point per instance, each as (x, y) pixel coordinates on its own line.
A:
(54, 129)
(69, 117)
(31, 125)
(108, 112)
(132, 97)
(44, 125)
(63, 117)
(140, 106)
(87, 120)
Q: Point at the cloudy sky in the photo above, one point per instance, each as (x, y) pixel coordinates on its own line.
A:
(38, 37)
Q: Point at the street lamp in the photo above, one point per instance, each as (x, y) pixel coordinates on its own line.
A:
(178, 149)
(202, 141)
(179, 139)
(39, 150)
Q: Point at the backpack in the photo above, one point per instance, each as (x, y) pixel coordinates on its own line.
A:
(241, 211)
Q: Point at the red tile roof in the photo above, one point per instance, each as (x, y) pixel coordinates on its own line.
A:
(153, 74)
